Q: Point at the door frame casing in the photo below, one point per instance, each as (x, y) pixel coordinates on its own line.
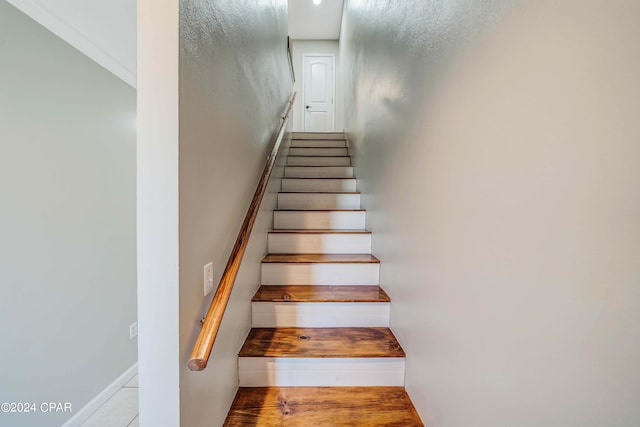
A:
(333, 99)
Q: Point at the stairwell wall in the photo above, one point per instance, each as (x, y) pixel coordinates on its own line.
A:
(67, 223)
(234, 86)
(496, 144)
(228, 85)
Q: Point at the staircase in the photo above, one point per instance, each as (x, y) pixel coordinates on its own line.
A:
(320, 352)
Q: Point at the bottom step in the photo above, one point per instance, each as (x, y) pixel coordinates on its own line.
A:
(322, 406)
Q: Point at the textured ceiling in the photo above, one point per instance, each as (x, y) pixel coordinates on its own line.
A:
(319, 22)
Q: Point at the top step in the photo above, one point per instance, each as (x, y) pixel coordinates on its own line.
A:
(318, 135)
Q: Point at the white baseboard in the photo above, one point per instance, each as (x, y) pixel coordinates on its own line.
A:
(87, 410)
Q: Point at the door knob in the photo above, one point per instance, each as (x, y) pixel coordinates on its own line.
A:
(307, 107)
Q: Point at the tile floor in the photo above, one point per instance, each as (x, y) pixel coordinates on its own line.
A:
(121, 410)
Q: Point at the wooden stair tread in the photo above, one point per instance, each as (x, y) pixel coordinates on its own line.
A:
(319, 192)
(319, 210)
(321, 343)
(316, 231)
(328, 155)
(287, 178)
(321, 258)
(323, 293)
(310, 134)
(323, 139)
(322, 407)
(318, 177)
(318, 146)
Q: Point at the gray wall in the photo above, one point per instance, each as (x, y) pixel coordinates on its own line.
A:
(204, 134)
(234, 84)
(498, 146)
(67, 222)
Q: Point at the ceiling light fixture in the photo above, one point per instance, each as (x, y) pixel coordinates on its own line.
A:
(317, 2)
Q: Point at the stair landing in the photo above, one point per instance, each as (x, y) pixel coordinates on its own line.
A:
(322, 407)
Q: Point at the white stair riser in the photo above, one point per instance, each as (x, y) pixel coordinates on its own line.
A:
(318, 151)
(334, 243)
(318, 161)
(335, 220)
(320, 274)
(318, 172)
(320, 314)
(311, 201)
(295, 143)
(320, 372)
(318, 135)
(321, 185)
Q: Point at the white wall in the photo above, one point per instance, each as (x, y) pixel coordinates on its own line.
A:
(298, 49)
(497, 144)
(67, 222)
(157, 174)
(105, 31)
(204, 137)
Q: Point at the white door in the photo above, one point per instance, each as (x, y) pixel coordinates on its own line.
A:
(319, 83)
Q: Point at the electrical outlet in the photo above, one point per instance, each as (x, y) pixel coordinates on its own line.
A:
(133, 330)
(208, 278)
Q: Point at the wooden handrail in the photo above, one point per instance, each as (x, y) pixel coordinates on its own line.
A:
(211, 325)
